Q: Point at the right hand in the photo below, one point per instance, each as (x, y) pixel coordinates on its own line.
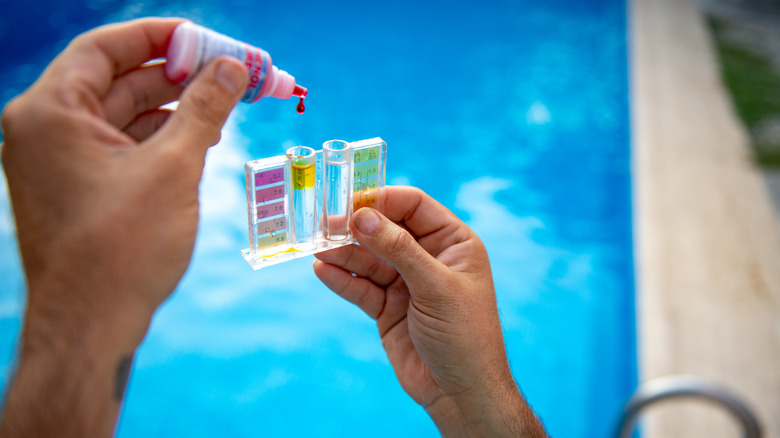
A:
(424, 276)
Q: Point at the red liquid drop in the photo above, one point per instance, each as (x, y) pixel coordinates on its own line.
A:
(300, 107)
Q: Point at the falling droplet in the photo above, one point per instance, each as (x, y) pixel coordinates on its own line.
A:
(301, 108)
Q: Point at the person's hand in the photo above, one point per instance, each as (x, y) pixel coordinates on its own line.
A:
(424, 276)
(104, 191)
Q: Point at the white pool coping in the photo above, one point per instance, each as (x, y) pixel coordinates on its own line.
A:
(707, 241)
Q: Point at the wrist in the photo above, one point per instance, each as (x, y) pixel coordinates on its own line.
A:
(498, 412)
(81, 316)
(78, 383)
(80, 353)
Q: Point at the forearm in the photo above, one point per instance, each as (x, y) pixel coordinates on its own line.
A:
(72, 373)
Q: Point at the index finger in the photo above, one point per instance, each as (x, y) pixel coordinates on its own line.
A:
(434, 226)
(108, 51)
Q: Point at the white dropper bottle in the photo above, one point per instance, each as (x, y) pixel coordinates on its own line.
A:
(193, 46)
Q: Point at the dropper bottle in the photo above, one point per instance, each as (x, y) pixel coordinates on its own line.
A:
(193, 46)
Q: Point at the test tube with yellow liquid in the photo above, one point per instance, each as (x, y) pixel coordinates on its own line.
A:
(302, 169)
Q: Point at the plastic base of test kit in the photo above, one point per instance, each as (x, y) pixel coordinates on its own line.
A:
(300, 203)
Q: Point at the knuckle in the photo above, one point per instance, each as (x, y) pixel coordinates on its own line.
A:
(367, 299)
(361, 289)
(203, 106)
(140, 98)
(348, 257)
(13, 122)
(159, 120)
(373, 267)
(399, 242)
(182, 159)
(207, 115)
(10, 114)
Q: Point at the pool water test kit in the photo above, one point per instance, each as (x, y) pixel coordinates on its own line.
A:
(300, 203)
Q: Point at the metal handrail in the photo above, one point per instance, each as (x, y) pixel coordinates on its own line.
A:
(663, 388)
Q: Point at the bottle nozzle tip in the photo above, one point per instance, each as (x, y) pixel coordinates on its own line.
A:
(300, 91)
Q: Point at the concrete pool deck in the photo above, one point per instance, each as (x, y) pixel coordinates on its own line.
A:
(707, 237)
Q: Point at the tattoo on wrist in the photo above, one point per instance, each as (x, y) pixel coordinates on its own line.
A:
(122, 376)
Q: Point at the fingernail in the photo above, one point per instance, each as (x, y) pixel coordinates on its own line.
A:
(367, 221)
(230, 76)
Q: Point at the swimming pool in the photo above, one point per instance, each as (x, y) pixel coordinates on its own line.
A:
(514, 114)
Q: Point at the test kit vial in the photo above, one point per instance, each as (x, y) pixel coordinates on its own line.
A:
(300, 203)
(302, 161)
(337, 189)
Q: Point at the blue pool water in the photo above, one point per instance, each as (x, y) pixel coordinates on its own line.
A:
(514, 114)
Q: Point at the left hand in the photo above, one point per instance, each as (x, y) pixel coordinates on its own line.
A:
(104, 187)
(104, 182)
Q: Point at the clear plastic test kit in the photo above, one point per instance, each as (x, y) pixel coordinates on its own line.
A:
(300, 203)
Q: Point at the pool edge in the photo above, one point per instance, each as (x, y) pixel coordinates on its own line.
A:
(707, 245)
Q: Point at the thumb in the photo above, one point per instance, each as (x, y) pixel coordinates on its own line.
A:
(205, 105)
(394, 245)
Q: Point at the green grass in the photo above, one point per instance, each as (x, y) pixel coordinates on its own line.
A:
(754, 85)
